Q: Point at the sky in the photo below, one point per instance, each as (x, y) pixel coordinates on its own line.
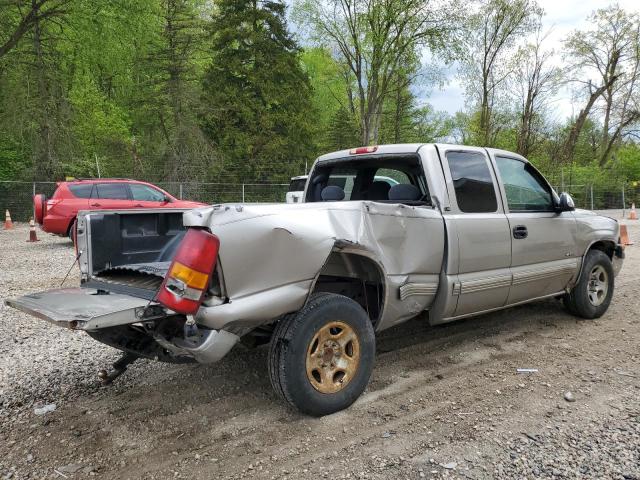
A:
(562, 17)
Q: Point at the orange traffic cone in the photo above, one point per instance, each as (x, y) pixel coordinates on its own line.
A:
(8, 224)
(32, 231)
(632, 214)
(624, 235)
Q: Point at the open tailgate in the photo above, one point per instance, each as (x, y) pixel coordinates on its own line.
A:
(81, 308)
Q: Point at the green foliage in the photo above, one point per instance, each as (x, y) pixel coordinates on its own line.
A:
(219, 90)
(257, 94)
(343, 131)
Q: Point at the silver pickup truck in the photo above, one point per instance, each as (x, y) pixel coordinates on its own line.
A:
(455, 231)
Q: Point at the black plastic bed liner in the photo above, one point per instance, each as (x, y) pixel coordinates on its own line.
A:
(139, 279)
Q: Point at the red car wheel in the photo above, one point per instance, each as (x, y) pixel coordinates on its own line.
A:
(38, 207)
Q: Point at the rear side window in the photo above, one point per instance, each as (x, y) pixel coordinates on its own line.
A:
(113, 191)
(81, 191)
(145, 193)
(472, 182)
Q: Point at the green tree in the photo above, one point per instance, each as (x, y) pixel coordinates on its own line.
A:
(342, 131)
(489, 41)
(330, 104)
(373, 40)
(610, 47)
(257, 95)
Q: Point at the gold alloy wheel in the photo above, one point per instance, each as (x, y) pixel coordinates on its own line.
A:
(333, 357)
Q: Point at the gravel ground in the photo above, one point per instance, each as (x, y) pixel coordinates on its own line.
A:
(444, 402)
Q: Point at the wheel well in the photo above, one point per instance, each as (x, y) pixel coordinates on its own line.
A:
(355, 276)
(69, 226)
(604, 246)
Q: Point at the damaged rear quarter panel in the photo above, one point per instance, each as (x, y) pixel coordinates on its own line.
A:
(270, 254)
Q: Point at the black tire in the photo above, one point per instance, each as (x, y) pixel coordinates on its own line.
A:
(39, 201)
(291, 347)
(583, 301)
(72, 231)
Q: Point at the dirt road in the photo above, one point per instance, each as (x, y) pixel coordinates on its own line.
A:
(444, 402)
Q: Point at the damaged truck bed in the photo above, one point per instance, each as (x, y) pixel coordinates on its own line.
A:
(455, 231)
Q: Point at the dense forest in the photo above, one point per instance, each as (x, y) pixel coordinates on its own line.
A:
(253, 90)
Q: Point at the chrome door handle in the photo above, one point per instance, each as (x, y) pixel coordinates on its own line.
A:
(520, 231)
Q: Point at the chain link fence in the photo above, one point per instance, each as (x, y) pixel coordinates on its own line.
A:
(17, 196)
(593, 197)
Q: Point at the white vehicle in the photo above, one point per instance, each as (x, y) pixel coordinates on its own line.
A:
(296, 189)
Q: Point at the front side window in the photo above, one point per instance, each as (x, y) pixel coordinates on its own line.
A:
(392, 177)
(145, 193)
(525, 190)
(472, 182)
(112, 191)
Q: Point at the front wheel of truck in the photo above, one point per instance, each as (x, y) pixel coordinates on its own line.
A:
(321, 358)
(591, 296)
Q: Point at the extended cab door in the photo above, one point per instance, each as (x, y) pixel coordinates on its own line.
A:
(544, 256)
(477, 221)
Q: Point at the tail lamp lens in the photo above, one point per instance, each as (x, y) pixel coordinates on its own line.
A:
(188, 277)
(52, 203)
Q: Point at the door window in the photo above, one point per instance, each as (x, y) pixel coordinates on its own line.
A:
(113, 191)
(472, 182)
(81, 191)
(145, 193)
(525, 189)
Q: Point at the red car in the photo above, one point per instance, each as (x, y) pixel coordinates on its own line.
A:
(57, 214)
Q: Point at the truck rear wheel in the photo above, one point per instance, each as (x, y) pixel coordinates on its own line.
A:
(321, 358)
(591, 296)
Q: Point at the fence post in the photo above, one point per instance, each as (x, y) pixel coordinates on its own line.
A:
(623, 204)
(592, 196)
(180, 191)
(243, 193)
(33, 205)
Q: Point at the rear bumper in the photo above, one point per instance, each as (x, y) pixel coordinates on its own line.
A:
(107, 318)
(56, 224)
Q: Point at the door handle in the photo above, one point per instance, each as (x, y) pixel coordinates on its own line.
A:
(138, 205)
(520, 231)
(95, 204)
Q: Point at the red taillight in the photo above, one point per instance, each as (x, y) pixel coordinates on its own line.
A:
(361, 150)
(188, 277)
(52, 203)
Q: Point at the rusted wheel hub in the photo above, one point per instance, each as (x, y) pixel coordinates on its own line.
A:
(333, 357)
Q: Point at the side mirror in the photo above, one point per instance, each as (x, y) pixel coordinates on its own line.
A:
(166, 199)
(566, 203)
